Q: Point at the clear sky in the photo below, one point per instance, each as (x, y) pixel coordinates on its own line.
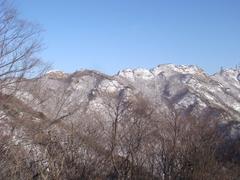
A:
(109, 35)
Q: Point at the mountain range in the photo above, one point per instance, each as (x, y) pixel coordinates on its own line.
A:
(91, 102)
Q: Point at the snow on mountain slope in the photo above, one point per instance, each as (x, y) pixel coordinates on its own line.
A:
(186, 86)
(187, 89)
(90, 100)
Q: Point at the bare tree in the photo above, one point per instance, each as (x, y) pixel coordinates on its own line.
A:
(19, 43)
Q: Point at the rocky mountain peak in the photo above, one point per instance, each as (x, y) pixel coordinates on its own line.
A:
(172, 68)
(56, 74)
(166, 69)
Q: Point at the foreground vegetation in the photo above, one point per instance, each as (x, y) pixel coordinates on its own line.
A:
(135, 142)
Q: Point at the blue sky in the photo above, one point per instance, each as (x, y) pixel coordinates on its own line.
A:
(109, 35)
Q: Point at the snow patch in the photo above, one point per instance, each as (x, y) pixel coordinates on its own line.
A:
(136, 73)
(56, 74)
(170, 69)
(143, 73)
(110, 86)
(127, 73)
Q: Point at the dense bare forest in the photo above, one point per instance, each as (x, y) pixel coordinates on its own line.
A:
(53, 136)
(136, 143)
